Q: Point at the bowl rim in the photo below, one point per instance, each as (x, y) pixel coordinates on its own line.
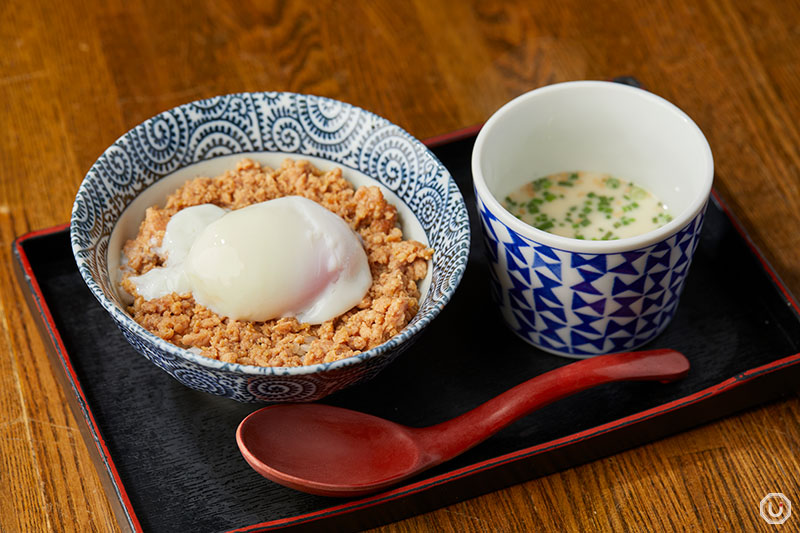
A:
(411, 330)
(568, 244)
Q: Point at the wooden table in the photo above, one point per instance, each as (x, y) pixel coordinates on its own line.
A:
(74, 75)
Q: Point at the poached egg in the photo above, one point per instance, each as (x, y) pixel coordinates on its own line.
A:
(280, 258)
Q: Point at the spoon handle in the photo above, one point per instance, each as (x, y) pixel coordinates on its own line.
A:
(450, 438)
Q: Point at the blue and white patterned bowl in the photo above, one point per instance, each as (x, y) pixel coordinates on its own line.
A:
(579, 298)
(188, 140)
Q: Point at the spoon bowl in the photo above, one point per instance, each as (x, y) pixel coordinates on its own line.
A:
(331, 451)
(282, 442)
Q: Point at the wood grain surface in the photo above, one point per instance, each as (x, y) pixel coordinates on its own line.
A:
(76, 74)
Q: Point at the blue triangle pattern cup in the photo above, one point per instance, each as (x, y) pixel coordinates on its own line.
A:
(580, 298)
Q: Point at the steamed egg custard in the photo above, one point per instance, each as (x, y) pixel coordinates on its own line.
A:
(587, 205)
(286, 257)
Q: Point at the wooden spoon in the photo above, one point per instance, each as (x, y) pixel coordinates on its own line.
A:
(332, 451)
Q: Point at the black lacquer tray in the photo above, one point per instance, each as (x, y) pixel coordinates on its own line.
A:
(168, 457)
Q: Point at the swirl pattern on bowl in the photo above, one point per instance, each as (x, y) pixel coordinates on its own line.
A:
(301, 125)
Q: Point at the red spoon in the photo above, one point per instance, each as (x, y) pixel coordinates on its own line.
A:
(332, 451)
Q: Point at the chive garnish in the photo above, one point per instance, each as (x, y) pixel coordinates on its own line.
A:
(547, 204)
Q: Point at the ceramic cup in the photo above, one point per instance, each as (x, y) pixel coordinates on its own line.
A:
(579, 298)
